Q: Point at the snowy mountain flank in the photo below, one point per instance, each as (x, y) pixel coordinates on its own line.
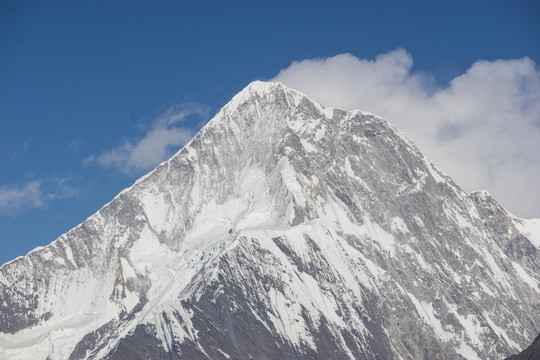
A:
(283, 230)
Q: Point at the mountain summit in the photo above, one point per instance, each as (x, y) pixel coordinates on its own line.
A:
(283, 230)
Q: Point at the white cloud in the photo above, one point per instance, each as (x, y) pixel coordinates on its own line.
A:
(17, 199)
(157, 145)
(483, 128)
(13, 156)
(75, 144)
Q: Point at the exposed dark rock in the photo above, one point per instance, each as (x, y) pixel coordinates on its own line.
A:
(530, 353)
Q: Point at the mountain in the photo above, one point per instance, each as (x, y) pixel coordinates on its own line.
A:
(530, 353)
(283, 230)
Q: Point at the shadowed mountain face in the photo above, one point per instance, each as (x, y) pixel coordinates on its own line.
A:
(284, 229)
(530, 353)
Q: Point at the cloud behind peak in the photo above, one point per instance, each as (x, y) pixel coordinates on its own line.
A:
(482, 128)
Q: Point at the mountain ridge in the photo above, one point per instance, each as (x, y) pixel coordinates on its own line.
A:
(277, 178)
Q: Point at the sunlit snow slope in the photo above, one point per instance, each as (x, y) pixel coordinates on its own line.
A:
(283, 230)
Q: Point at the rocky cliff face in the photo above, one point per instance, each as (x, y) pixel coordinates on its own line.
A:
(284, 229)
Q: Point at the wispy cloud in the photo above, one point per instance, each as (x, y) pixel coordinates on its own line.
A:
(19, 198)
(75, 144)
(16, 199)
(158, 143)
(17, 154)
(483, 128)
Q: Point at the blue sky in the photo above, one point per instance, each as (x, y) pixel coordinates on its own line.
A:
(87, 88)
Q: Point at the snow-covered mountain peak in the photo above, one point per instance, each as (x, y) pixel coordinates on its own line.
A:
(283, 229)
(261, 89)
